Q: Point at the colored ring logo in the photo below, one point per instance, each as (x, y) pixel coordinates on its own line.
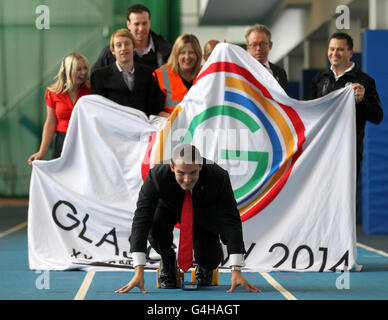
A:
(249, 102)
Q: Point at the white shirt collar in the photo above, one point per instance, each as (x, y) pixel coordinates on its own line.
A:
(347, 70)
(121, 70)
(151, 46)
(267, 66)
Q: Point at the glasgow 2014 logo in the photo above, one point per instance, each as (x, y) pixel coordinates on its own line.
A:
(248, 133)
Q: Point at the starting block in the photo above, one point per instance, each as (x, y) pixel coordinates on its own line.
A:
(186, 285)
(193, 285)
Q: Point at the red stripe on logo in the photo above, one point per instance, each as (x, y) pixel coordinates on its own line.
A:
(291, 113)
(145, 165)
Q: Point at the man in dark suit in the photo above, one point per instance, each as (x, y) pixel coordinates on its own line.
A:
(214, 215)
(125, 81)
(152, 49)
(259, 44)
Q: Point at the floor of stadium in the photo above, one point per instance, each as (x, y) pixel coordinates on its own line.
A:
(18, 282)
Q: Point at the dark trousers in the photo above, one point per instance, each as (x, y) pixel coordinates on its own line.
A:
(58, 144)
(206, 245)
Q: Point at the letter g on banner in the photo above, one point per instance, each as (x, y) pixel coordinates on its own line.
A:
(61, 206)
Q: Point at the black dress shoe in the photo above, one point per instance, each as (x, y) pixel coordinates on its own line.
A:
(203, 276)
(168, 274)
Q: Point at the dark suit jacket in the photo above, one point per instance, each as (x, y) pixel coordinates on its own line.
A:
(214, 206)
(280, 75)
(160, 56)
(145, 96)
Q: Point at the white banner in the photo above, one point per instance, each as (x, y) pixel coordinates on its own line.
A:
(291, 163)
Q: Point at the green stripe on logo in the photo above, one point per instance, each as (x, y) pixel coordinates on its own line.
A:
(260, 157)
(220, 111)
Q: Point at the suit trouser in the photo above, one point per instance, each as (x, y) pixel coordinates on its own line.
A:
(206, 245)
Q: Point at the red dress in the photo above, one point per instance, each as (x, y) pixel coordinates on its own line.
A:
(63, 107)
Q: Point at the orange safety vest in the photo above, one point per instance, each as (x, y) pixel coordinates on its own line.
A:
(172, 85)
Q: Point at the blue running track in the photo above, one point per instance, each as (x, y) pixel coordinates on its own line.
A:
(18, 282)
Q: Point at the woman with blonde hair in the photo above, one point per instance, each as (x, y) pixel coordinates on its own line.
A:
(176, 77)
(61, 97)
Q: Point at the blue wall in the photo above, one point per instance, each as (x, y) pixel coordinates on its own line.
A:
(374, 175)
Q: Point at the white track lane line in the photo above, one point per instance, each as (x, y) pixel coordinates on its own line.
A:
(278, 286)
(364, 246)
(13, 229)
(83, 290)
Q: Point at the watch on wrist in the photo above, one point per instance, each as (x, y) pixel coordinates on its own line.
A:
(236, 268)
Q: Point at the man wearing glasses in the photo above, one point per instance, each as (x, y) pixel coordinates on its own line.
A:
(259, 44)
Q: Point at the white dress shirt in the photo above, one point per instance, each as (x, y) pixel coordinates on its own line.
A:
(347, 70)
(129, 77)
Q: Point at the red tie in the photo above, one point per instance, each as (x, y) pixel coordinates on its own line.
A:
(185, 253)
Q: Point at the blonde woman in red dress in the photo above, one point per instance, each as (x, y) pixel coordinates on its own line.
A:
(61, 97)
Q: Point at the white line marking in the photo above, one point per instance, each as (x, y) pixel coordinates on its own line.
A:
(364, 246)
(13, 229)
(278, 286)
(85, 286)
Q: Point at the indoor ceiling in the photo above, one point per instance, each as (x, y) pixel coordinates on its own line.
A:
(237, 12)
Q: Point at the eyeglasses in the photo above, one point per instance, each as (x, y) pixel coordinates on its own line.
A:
(254, 45)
